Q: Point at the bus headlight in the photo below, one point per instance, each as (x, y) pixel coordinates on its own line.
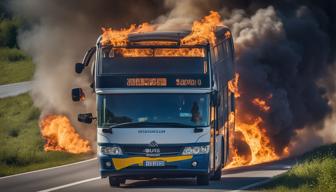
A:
(196, 150)
(111, 150)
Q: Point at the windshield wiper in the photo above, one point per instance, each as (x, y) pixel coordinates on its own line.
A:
(169, 124)
(149, 124)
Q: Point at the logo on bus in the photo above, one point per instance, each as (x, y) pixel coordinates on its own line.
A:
(152, 150)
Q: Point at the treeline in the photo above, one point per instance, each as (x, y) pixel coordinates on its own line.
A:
(9, 26)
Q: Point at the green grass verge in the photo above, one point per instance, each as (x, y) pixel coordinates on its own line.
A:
(21, 145)
(15, 66)
(316, 171)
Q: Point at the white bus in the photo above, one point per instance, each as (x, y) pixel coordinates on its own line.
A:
(162, 111)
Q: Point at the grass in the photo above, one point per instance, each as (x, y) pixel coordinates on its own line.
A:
(15, 66)
(21, 145)
(316, 171)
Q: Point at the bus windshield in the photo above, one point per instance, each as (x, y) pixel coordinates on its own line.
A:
(153, 110)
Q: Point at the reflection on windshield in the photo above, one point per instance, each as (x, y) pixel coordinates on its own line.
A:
(153, 110)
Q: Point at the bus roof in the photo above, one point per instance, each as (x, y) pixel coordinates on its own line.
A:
(174, 36)
(158, 36)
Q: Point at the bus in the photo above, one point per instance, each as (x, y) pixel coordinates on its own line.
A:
(162, 107)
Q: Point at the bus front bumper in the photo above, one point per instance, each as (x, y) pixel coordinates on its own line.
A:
(175, 166)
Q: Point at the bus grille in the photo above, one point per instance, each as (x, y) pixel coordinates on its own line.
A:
(140, 150)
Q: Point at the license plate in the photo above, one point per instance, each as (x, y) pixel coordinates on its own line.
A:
(154, 163)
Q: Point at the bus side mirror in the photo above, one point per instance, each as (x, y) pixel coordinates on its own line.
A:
(86, 118)
(79, 67)
(77, 94)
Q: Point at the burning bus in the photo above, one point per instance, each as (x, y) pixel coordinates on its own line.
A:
(163, 105)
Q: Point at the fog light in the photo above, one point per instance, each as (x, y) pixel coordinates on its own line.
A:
(108, 164)
(194, 163)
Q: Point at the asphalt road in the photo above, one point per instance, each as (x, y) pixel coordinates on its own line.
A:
(84, 176)
(15, 89)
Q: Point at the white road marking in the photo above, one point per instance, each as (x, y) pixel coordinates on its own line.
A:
(46, 169)
(253, 185)
(70, 184)
(260, 182)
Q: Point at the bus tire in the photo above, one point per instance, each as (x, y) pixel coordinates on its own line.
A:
(114, 181)
(217, 175)
(202, 179)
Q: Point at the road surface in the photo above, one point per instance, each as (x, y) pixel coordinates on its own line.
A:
(84, 176)
(15, 89)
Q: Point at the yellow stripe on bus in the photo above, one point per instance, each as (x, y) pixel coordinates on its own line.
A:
(121, 163)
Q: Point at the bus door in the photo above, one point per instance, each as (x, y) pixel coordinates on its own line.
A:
(219, 130)
(213, 131)
(216, 136)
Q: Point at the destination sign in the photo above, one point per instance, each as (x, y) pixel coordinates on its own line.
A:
(146, 82)
(129, 81)
(189, 82)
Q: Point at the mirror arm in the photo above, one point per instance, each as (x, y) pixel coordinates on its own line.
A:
(88, 56)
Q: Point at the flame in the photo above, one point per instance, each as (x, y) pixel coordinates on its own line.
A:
(119, 37)
(60, 135)
(261, 104)
(233, 85)
(252, 133)
(255, 136)
(159, 52)
(202, 32)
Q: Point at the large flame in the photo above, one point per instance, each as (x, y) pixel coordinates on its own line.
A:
(202, 32)
(60, 135)
(118, 37)
(251, 131)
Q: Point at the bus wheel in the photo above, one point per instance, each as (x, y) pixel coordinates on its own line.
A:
(202, 179)
(114, 181)
(217, 175)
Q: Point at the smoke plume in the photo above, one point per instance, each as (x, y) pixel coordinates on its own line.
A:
(58, 35)
(284, 54)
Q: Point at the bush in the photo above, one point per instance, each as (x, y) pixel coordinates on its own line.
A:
(12, 55)
(13, 132)
(8, 32)
(15, 66)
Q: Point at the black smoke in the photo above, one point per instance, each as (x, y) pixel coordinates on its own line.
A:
(287, 57)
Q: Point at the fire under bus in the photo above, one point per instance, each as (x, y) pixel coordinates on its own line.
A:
(162, 107)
